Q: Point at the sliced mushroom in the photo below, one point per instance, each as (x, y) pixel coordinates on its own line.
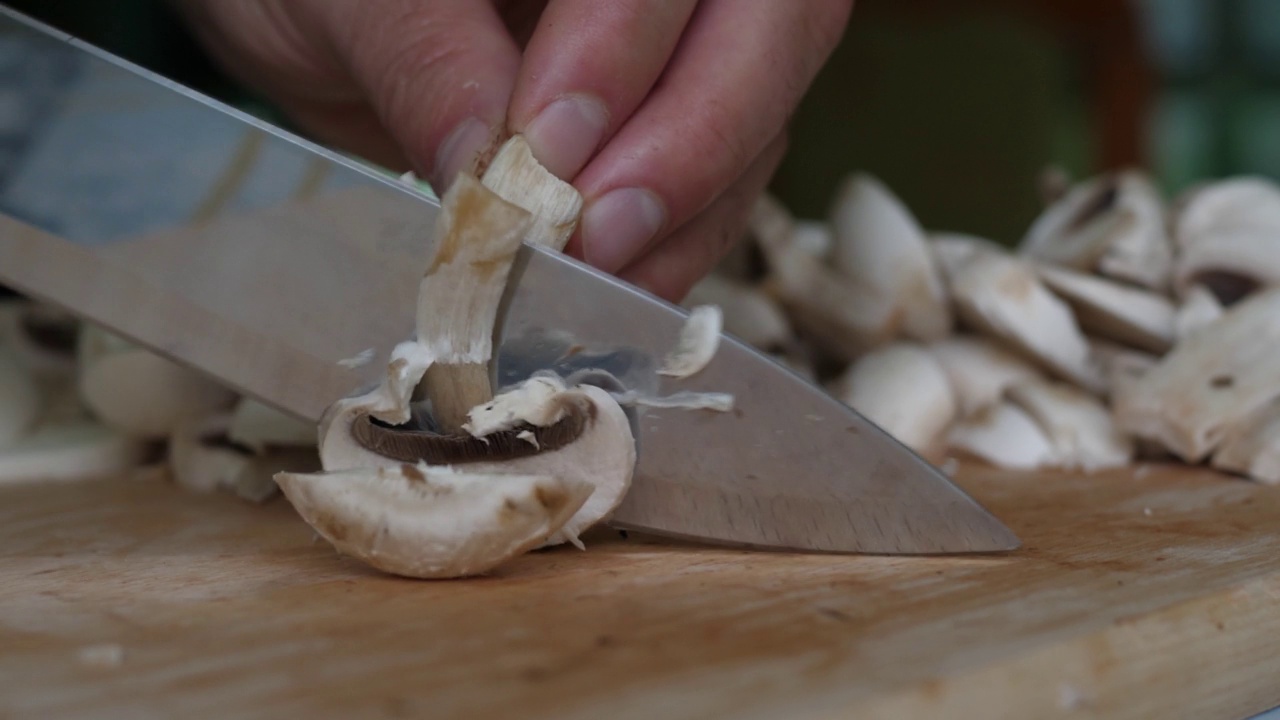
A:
(903, 389)
(433, 522)
(1231, 263)
(813, 236)
(697, 344)
(204, 457)
(1106, 308)
(1121, 365)
(1199, 308)
(1251, 447)
(1112, 224)
(138, 392)
(1240, 204)
(386, 494)
(1078, 425)
(979, 370)
(516, 176)
(1003, 435)
(878, 245)
(1001, 296)
(1209, 381)
(72, 451)
(748, 313)
(258, 426)
(951, 250)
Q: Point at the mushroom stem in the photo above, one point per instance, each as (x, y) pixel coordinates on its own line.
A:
(478, 235)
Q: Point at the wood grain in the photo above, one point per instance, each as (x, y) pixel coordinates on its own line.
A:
(1139, 593)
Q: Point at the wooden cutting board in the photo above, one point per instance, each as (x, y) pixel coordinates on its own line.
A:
(1151, 592)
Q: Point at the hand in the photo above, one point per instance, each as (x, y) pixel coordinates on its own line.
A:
(669, 116)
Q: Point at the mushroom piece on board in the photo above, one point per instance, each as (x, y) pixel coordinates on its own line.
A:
(1001, 297)
(1003, 435)
(903, 389)
(1251, 447)
(1208, 382)
(1125, 314)
(1078, 425)
(1113, 224)
(980, 370)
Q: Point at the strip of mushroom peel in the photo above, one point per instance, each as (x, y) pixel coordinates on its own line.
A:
(902, 389)
(696, 345)
(1208, 382)
(478, 234)
(517, 177)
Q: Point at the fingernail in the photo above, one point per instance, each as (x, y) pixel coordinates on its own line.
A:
(619, 225)
(459, 150)
(566, 132)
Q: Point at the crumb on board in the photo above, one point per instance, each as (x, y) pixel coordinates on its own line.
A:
(105, 655)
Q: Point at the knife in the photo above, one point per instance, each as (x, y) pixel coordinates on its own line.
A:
(265, 261)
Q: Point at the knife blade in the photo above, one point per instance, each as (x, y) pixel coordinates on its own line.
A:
(238, 249)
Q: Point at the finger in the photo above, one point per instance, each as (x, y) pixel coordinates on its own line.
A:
(587, 67)
(739, 70)
(439, 75)
(673, 266)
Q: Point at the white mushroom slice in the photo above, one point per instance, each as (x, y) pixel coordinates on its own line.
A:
(1112, 224)
(141, 393)
(1231, 262)
(20, 400)
(1078, 425)
(1246, 203)
(1103, 307)
(979, 371)
(68, 452)
(1003, 435)
(1199, 308)
(1251, 447)
(478, 235)
(879, 246)
(1001, 296)
(1208, 382)
(748, 314)
(602, 458)
(258, 426)
(433, 522)
(901, 388)
(951, 250)
(516, 176)
(203, 458)
(1121, 365)
(813, 236)
(696, 346)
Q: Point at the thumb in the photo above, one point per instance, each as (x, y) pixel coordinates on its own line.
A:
(439, 75)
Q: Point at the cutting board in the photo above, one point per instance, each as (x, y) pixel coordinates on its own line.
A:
(1141, 593)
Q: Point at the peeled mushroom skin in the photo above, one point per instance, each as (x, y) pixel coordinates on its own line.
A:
(1208, 382)
(902, 389)
(516, 176)
(424, 522)
(696, 345)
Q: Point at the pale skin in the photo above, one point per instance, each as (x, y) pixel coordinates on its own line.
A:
(669, 116)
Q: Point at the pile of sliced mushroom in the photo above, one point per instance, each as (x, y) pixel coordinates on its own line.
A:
(1123, 327)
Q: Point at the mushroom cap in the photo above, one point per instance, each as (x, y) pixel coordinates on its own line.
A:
(430, 522)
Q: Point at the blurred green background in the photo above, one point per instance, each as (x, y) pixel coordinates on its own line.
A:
(957, 104)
